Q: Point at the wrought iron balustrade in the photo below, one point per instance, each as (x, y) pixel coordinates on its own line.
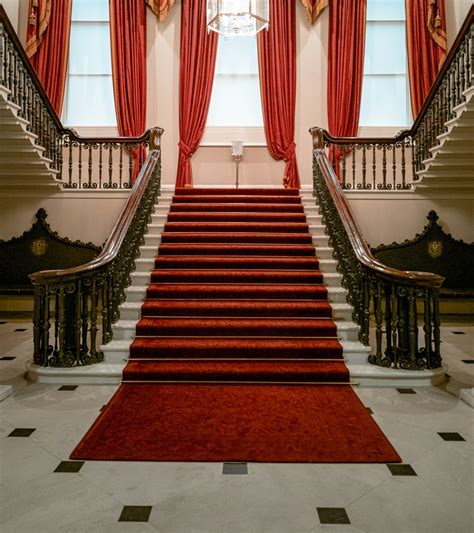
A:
(75, 308)
(399, 301)
(80, 162)
(383, 164)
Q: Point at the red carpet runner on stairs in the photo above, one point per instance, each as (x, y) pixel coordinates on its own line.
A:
(236, 356)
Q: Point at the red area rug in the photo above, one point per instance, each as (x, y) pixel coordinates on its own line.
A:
(236, 355)
(248, 423)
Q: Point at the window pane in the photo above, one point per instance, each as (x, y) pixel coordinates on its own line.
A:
(89, 51)
(235, 101)
(90, 101)
(385, 9)
(237, 55)
(384, 101)
(385, 48)
(90, 10)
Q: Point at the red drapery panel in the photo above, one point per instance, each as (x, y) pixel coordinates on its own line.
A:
(49, 25)
(196, 76)
(426, 46)
(277, 68)
(128, 46)
(345, 69)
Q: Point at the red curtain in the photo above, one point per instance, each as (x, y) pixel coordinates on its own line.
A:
(277, 67)
(345, 69)
(426, 46)
(196, 76)
(49, 25)
(128, 46)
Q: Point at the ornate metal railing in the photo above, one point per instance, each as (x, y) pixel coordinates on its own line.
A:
(377, 163)
(75, 308)
(394, 298)
(79, 162)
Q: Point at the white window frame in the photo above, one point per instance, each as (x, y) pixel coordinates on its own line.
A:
(215, 136)
(388, 130)
(90, 130)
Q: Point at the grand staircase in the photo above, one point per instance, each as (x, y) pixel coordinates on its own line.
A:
(239, 286)
(24, 166)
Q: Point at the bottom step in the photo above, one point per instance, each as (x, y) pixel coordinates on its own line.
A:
(237, 371)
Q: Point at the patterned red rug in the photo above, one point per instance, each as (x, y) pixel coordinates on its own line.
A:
(236, 355)
(247, 423)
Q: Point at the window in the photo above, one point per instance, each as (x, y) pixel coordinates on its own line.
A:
(235, 101)
(89, 92)
(385, 91)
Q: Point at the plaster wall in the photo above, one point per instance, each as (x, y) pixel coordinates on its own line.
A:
(383, 218)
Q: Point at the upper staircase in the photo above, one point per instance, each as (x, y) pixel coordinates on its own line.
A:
(23, 162)
(451, 164)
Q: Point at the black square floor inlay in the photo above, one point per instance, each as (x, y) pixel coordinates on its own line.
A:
(459, 332)
(401, 470)
(1, 323)
(468, 361)
(369, 410)
(70, 467)
(68, 387)
(20, 329)
(7, 358)
(333, 515)
(453, 437)
(22, 432)
(235, 468)
(406, 391)
(103, 407)
(135, 513)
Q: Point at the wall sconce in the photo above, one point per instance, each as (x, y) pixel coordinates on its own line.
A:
(237, 151)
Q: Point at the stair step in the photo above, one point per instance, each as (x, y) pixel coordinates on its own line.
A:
(235, 208)
(236, 227)
(196, 262)
(232, 308)
(259, 250)
(237, 371)
(228, 275)
(241, 191)
(236, 217)
(235, 199)
(227, 348)
(238, 238)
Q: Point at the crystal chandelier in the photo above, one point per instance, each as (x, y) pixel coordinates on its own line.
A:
(237, 17)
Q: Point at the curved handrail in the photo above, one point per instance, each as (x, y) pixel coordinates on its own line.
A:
(468, 21)
(354, 233)
(118, 233)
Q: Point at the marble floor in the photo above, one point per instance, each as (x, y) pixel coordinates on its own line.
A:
(41, 491)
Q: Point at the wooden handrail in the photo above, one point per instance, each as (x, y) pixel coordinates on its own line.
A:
(117, 235)
(354, 233)
(468, 21)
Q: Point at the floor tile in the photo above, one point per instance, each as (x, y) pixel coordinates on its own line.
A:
(468, 361)
(459, 332)
(369, 410)
(135, 513)
(7, 358)
(333, 515)
(401, 470)
(453, 437)
(70, 467)
(20, 329)
(406, 391)
(22, 432)
(235, 468)
(68, 387)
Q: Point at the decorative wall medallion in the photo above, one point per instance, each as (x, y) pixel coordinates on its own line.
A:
(39, 247)
(435, 249)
